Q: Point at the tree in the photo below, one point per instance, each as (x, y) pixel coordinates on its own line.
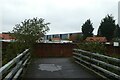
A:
(87, 29)
(107, 27)
(27, 33)
(30, 31)
(117, 32)
(79, 38)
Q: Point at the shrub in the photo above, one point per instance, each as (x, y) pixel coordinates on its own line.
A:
(12, 50)
(93, 47)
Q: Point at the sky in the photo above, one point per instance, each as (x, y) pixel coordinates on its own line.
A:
(64, 15)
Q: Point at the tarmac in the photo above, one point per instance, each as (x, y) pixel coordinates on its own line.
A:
(61, 68)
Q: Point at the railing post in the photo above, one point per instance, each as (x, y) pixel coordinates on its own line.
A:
(17, 59)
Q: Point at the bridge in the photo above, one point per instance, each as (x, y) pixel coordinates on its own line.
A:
(81, 65)
(56, 68)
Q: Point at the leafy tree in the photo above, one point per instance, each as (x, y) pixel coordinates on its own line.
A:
(26, 34)
(107, 27)
(117, 32)
(30, 31)
(87, 29)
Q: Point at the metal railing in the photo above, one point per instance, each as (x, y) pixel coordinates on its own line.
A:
(14, 68)
(105, 66)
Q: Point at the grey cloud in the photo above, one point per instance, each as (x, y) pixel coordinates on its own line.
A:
(64, 16)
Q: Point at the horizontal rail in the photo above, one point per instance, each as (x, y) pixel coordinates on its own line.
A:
(21, 69)
(98, 55)
(98, 61)
(81, 56)
(15, 65)
(92, 70)
(12, 62)
(99, 68)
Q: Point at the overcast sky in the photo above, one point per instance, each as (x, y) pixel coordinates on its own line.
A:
(64, 15)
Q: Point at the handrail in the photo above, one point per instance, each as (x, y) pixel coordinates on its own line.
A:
(17, 61)
(88, 59)
(98, 55)
(99, 61)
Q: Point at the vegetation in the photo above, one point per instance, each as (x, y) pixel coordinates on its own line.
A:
(117, 34)
(93, 47)
(96, 47)
(107, 27)
(79, 38)
(117, 31)
(12, 50)
(87, 29)
(27, 33)
(30, 31)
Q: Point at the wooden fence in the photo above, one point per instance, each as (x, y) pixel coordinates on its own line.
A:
(105, 66)
(54, 49)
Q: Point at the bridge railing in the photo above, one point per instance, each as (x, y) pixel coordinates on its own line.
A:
(105, 66)
(14, 68)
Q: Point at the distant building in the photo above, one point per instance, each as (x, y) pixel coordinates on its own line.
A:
(119, 13)
(64, 37)
(74, 36)
(56, 39)
(96, 39)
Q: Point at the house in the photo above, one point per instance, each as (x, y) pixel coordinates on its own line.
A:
(96, 39)
(6, 37)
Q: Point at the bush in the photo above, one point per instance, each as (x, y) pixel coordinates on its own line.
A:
(93, 47)
(11, 51)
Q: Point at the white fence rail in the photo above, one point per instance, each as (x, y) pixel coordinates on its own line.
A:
(13, 69)
(106, 66)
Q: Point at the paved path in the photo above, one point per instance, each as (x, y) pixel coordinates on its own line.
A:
(57, 68)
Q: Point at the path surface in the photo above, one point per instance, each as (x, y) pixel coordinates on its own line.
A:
(56, 68)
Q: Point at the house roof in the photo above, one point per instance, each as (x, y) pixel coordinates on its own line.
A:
(96, 39)
(5, 36)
